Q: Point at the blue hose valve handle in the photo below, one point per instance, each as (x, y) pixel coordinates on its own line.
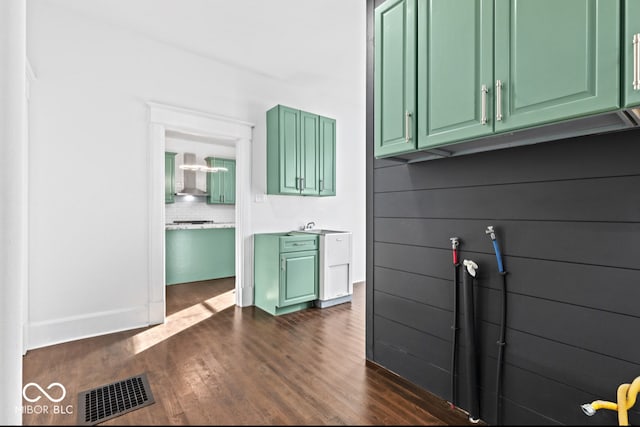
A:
(490, 231)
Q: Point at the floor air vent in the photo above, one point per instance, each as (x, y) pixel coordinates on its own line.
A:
(112, 400)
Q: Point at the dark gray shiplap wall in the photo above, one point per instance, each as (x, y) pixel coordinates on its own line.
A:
(567, 217)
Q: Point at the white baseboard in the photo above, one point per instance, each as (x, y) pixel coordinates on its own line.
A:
(42, 334)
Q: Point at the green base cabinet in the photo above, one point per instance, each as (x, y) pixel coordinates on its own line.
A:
(301, 151)
(221, 185)
(285, 272)
(169, 176)
(192, 255)
(631, 53)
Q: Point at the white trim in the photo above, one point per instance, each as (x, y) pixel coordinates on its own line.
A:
(58, 331)
(163, 118)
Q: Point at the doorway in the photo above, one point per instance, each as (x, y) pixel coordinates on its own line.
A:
(165, 119)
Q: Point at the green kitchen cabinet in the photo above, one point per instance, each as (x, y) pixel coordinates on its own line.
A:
(221, 185)
(327, 157)
(169, 176)
(199, 254)
(555, 60)
(395, 77)
(285, 271)
(631, 53)
(455, 70)
(300, 153)
(487, 67)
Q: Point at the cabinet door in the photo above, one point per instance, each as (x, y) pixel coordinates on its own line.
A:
(169, 177)
(631, 53)
(309, 150)
(555, 60)
(289, 146)
(327, 157)
(395, 77)
(229, 182)
(298, 277)
(215, 181)
(455, 70)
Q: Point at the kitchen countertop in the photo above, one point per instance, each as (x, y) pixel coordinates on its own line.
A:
(199, 226)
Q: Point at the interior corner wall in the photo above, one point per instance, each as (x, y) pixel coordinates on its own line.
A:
(88, 160)
(567, 221)
(13, 206)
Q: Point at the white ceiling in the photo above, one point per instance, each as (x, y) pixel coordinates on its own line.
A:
(257, 35)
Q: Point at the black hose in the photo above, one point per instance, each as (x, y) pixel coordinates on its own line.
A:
(472, 374)
(501, 343)
(454, 340)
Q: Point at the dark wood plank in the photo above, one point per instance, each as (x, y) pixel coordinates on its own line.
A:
(216, 364)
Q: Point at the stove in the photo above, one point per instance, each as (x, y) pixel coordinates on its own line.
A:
(194, 221)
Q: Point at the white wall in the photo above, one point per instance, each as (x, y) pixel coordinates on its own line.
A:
(13, 206)
(88, 174)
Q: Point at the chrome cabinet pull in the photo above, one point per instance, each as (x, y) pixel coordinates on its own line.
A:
(297, 183)
(484, 91)
(498, 100)
(636, 65)
(407, 119)
(301, 184)
(321, 185)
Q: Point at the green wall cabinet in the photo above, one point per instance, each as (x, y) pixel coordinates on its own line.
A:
(395, 76)
(631, 53)
(285, 271)
(487, 67)
(327, 157)
(300, 153)
(221, 185)
(199, 254)
(169, 176)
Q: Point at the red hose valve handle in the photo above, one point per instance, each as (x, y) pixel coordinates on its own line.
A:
(455, 242)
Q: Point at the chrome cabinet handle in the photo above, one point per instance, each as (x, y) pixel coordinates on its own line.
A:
(297, 183)
(301, 184)
(636, 65)
(484, 91)
(321, 185)
(498, 100)
(407, 124)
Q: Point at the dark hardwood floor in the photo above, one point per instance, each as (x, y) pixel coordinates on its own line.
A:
(213, 363)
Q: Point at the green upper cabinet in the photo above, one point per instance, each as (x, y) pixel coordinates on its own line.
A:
(169, 176)
(221, 185)
(395, 77)
(300, 153)
(327, 157)
(458, 71)
(555, 60)
(308, 169)
(455, 70)
(631, 53)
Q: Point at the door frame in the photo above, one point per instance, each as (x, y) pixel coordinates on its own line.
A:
(163, 118)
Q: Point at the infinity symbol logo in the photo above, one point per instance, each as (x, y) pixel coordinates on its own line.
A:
(47, 395)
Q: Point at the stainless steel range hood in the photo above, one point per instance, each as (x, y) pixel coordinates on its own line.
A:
(189, 178)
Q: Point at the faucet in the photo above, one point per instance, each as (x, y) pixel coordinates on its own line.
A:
(309, 225)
